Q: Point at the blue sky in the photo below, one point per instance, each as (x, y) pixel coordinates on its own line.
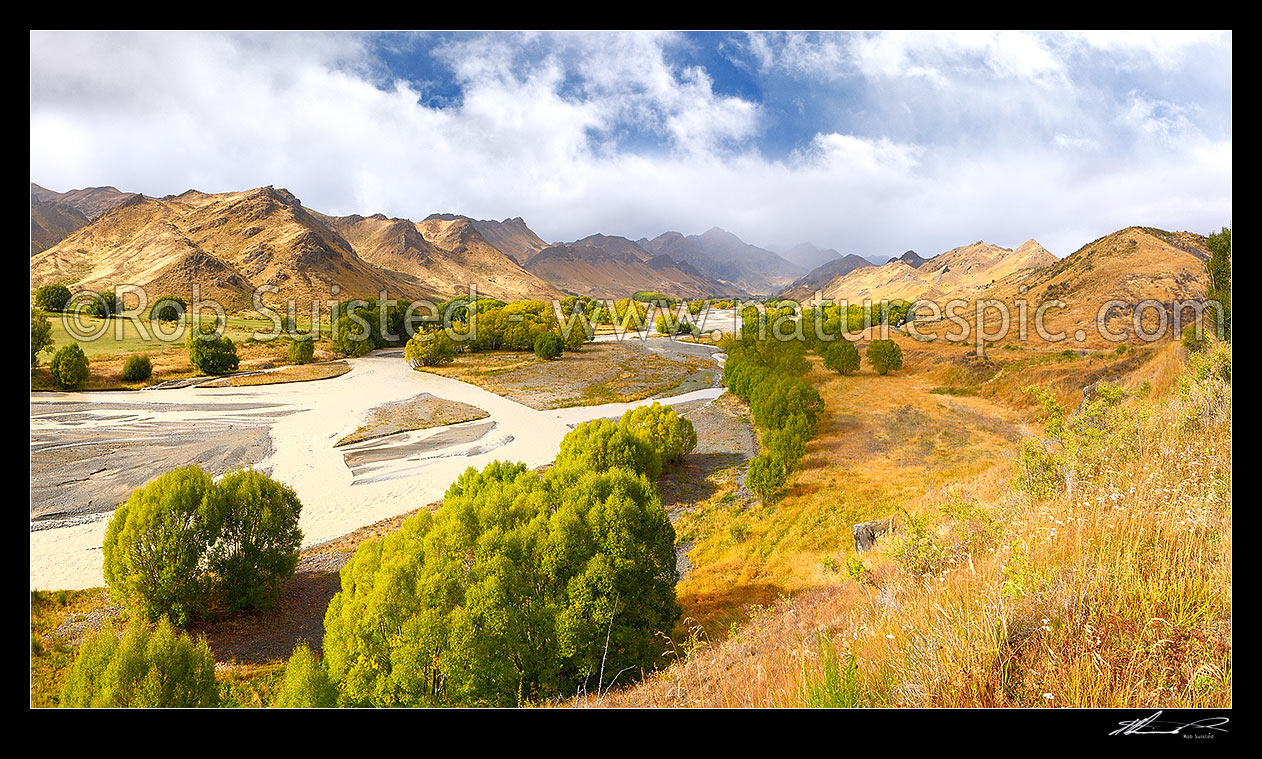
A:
(869, 142)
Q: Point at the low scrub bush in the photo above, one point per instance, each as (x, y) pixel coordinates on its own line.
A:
(137, 368)
(211, 354)
(302, 351)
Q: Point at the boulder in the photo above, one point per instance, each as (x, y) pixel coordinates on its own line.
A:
(866, 533)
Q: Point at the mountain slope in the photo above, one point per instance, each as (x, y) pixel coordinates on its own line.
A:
(512, 237)
(1132, 266)
(440, 256)
(810, 257)
(239, 241)
(805, 287)
(912, 259)
(92, 202)
(51, 222)
(723, 256)
(614, 267)
(959, 272)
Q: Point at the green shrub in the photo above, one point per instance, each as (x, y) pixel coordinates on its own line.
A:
(301, 351)
(69, 367)
(182, 547)
(168, 308)
(137, 368)
(767, 474)
(156, 543)
(163, 668)
(549, 345)
(885, 356)
(306, 683)
(673, 435)
(774, 401)
(210, 354)
(580, 332)
(602, 444)
(917, 549)
(256, 548)
(841, 356)
(352, 336)
(52, 297)
(1218, 274)
(41, 335)
(519, 588)
(1194, 339)
(103, 306)
(432, 349)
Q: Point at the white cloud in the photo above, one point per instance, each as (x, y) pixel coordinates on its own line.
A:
(963, 136)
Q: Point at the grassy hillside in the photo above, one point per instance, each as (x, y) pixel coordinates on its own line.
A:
(1113, 592)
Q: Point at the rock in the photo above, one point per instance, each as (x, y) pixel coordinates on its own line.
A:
(866, 533)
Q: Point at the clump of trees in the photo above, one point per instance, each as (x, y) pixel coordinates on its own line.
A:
(211, 354)
(885, 356)
(143, 668)
(41, 335)
(828, 323)
(138, 368)
(484, 324)
(183, 546)
(670, 323)
(514, 326)
(352, 336)
(103, 305)
(69, 367)
(52, 297)
(521, 586)
(768, 374)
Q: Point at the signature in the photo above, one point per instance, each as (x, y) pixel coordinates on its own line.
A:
(1151, 726)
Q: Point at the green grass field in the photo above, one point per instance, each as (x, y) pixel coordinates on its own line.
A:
(122, 335)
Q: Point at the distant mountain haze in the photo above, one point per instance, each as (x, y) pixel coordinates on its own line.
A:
(808, 256)
(729, 259)
(608, 266)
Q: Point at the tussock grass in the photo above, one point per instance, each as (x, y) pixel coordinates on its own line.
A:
(1114, 594)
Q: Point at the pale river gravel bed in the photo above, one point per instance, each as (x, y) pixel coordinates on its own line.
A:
(125, 439)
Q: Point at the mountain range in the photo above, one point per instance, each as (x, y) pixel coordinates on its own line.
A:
(232, 243)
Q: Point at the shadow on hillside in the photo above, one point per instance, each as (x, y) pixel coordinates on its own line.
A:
(255, 638)
(716, 612)
(689, 482)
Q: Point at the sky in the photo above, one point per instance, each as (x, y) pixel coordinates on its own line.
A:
(865, 142)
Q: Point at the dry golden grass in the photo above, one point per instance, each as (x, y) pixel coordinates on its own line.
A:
(882, 443)
(1117, 595)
